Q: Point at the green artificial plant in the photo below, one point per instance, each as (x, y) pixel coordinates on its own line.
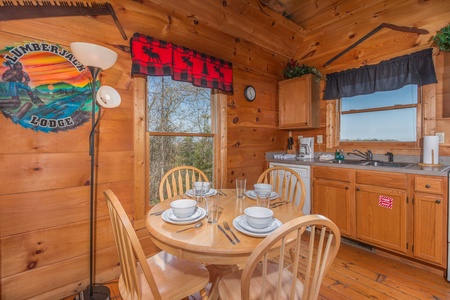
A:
(442, 39)
(294, 69)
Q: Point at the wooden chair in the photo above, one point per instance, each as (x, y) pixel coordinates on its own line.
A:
(317, 242)
(161, 276)
(178, 180)
(287, 183)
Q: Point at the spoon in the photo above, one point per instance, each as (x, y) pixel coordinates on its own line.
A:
(198, 225)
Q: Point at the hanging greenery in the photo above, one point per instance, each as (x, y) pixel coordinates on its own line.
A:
(294, 69)
(442, 39)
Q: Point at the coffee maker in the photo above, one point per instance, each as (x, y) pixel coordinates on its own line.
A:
(306, 147)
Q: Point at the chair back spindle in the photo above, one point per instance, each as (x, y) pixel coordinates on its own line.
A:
(178, 180)
(155, 277)
(287, 183)
(269, 274)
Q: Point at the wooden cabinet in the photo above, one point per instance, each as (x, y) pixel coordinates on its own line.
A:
(332, 196)
(299, 103)
(430, 211)
(404, 213)
(381, 209)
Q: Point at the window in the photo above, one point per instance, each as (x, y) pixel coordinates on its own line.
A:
(180, 118)
(382, 116)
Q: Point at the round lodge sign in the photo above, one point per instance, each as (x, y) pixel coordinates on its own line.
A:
(44, 87)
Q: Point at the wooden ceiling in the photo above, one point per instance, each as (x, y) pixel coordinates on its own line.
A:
(333, 26)
(263, 34)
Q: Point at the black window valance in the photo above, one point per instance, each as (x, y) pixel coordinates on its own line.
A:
(415, 68)
(153, 57)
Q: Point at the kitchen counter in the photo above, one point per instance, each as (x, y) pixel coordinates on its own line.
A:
(414, 169)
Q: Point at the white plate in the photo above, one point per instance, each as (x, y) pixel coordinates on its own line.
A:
(200, 214)
(211, 192)
(250, 233)
(174, 218)
(252, 195)
(242, 221)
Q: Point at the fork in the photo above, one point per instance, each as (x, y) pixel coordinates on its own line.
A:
(227, 227)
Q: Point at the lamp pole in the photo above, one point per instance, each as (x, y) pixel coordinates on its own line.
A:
(96, 58)
(101, 292)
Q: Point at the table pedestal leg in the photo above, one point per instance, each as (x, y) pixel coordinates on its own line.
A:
(216, 272)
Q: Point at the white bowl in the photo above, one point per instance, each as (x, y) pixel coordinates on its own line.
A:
(206, 185)
(183, 208)
(262, 187)
(258, 217)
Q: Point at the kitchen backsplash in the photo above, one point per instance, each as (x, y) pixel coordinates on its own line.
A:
(444, 160)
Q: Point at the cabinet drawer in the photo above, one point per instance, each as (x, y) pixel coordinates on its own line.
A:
(384, 179)
(429, 184)
(332, 173)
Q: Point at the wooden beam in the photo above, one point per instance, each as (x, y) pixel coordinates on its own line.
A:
(47, 9)
(378, 28)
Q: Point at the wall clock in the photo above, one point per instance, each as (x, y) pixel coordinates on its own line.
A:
(249, 93)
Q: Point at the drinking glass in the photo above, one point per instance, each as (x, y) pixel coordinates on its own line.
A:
(240, 187)
(197, 190)
(263, 198)
(213, 207)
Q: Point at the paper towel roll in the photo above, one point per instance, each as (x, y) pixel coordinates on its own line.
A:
(431, 149)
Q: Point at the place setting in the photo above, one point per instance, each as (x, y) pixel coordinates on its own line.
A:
(200, 188)
(183, 211)
(252, 194)
(256, 222)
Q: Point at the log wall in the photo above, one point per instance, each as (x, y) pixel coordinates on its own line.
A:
(44, 183)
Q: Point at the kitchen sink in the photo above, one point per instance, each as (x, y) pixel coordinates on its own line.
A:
(372, 163)
(386, 164)
(347, 162)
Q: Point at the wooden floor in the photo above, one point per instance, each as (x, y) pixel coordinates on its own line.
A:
(360, 274)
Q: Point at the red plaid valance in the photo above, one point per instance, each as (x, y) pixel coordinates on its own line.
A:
(154, 57)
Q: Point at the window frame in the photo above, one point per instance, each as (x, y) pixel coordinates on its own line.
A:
(172, 85)
(141, 141)
(425, 125)
(418, 107)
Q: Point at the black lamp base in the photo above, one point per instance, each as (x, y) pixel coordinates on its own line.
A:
(100, 292)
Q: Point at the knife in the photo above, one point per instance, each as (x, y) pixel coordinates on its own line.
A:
(223, 230)
(290, 143)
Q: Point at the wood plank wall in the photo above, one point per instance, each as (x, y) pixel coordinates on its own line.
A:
(44, 191)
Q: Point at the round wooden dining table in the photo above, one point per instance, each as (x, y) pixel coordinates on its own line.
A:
(208, 244)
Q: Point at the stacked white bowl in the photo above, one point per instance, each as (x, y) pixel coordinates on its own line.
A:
(258, 217)
(183, 208)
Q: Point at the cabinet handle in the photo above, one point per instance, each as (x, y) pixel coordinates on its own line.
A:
(357, 189)
(346, 188)
(438, 201)
(427, 186)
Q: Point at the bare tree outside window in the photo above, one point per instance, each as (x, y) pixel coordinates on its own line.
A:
(180, 130)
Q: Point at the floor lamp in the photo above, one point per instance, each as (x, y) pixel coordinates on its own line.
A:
(95, 58)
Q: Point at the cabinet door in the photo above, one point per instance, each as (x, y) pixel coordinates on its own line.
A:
(429, 233)
(332, 199)
(381, 217)
(299, 103)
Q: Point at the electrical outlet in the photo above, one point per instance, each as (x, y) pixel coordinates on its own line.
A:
(441, 137)
(319, 139)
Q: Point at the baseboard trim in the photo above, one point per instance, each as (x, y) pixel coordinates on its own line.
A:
(357, 244)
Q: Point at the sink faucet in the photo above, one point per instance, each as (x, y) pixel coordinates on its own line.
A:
(390, 156)
(367, 156)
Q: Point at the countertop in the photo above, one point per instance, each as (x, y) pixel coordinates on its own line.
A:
(415, 168)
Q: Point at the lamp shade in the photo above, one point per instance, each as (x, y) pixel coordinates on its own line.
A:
(108, 97)
(93, 55)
